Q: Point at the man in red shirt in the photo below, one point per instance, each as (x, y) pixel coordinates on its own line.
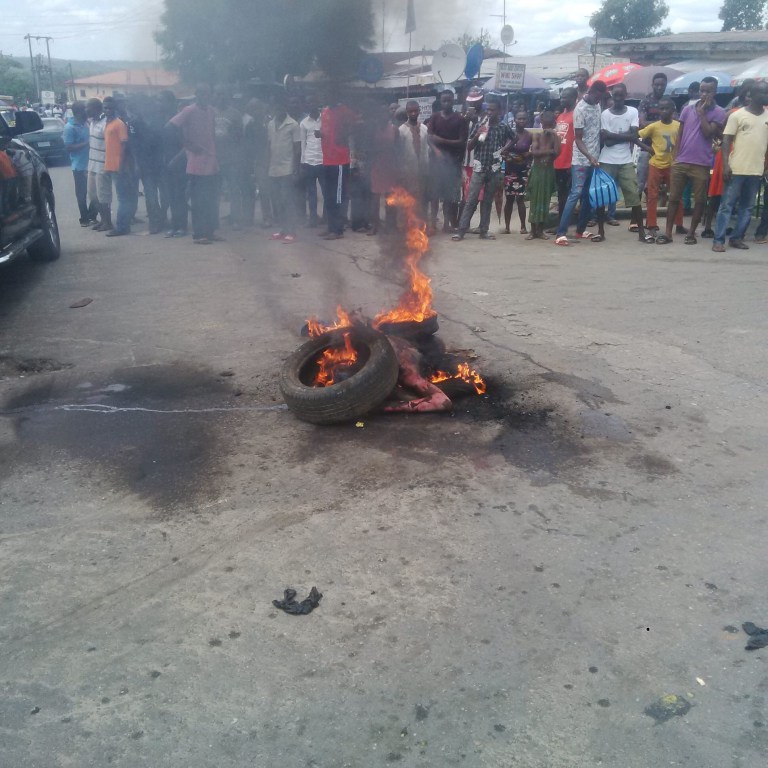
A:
(564, 128)
(336, 122)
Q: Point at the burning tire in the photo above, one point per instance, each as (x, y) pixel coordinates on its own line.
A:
(411, 329)
(366, 387)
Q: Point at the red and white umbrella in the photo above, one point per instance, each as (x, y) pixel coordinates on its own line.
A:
(613, 74)
(757, 69)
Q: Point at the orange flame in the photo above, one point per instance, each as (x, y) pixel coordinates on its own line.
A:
(415, 303)
(465, 373)
(316, 328)
(334, 361)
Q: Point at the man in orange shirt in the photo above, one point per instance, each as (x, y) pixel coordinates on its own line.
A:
(116, 167)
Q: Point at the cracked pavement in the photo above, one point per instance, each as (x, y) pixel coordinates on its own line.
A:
(511, 585)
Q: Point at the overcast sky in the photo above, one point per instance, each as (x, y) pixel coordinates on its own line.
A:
(93, 29)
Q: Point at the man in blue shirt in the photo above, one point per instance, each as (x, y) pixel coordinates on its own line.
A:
(76, 138)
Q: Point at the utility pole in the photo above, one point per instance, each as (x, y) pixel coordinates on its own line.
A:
(28, 38)
(50, 68)
(72, 81)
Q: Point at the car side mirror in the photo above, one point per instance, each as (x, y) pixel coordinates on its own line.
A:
(25, 122)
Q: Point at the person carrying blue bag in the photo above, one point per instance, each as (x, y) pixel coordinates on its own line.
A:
(619, 133)
(586, 149)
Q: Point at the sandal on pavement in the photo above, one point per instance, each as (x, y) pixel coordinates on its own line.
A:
(584, 235)
(718, 247)
(457, 237)
(613, 222)
(708, 233)
(690, 240)
(276, 236)
(597, 238)
(663, 240)
(633, 228)
(487, 236)
(648, 238)
(562, 240)
(739, 244)
(288, 239)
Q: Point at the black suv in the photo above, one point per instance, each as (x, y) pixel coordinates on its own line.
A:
(27, 205)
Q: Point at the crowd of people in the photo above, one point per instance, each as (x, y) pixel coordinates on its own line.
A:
(292, 153)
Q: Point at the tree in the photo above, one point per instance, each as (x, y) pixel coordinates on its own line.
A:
(467, 40)
(16, 81)
(742, 14)
(629, 19)
(241, 39)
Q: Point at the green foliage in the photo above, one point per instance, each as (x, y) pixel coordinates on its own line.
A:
(15, 80)
(742, 14)
(234, 40)
(629, 19)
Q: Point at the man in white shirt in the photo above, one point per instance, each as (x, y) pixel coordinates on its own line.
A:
(618, 129)
(311, 161)
(284, 136)
(413, 141)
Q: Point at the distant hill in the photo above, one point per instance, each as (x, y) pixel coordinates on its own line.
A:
(88, 68)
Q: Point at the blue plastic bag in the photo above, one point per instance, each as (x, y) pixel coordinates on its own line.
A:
(602, 189)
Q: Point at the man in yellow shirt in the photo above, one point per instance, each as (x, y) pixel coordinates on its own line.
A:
(745, 143)
(662, 136)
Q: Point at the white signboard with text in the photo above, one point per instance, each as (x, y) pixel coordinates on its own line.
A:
(47, 97)
(425, 102)
(509, 76)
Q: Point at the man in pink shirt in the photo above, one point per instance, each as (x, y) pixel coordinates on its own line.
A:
(197, 124)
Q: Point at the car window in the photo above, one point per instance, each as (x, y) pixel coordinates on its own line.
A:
(52, 123)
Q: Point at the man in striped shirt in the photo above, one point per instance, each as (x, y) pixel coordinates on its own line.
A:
(96, 151)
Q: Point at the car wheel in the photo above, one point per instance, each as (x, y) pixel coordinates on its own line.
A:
(349, 399)
(48, 247)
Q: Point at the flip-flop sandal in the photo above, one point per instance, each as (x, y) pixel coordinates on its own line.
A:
(633, 228)
(523, 231)
(457, 238)
(288, 239)
(597, 238)
(613, 223)
(649, 239)
(663, 240)
(530, 237)
(487, 236)
(718, 248)
(584, 235)
(738, 244)
(690, 240)
(562, 240)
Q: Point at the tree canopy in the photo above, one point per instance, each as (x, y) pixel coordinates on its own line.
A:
(742, 14)
(629, 19)
(16, 81)
(241, 39)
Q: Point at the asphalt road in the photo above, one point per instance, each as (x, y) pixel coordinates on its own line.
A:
(511, 585)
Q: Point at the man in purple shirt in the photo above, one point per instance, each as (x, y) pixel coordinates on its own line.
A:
(197, 124)
(700, 123)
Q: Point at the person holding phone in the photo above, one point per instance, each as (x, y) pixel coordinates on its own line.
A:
(700, 124)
